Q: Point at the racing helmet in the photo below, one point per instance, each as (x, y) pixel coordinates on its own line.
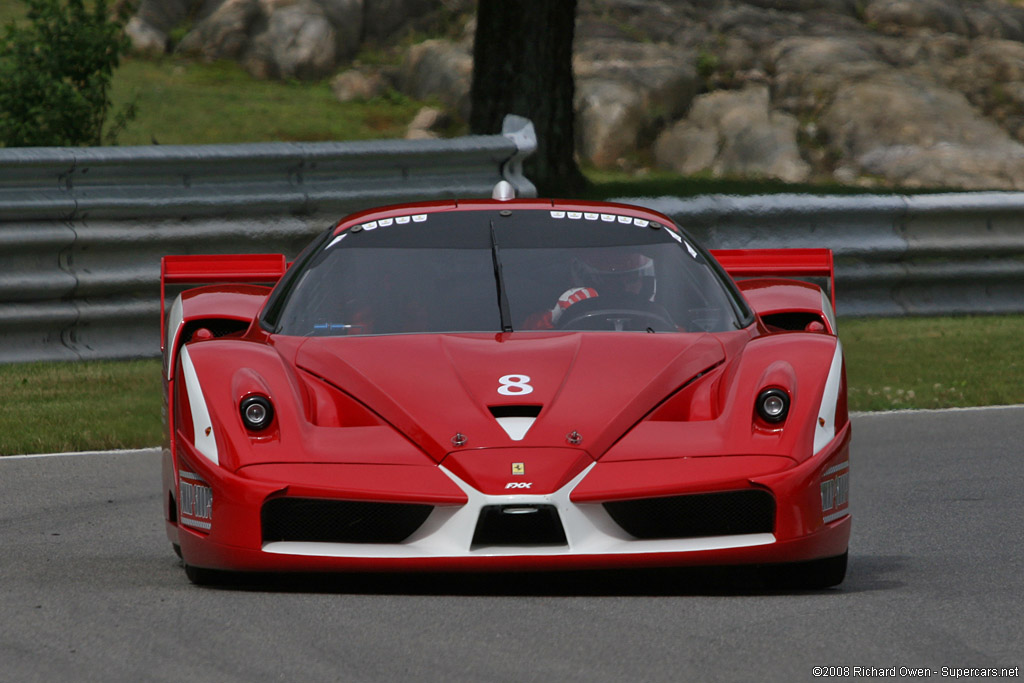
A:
(615, 271)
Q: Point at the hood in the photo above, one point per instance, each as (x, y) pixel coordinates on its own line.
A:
(465, 392)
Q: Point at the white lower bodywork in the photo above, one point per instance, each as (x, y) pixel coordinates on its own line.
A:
(448, 532)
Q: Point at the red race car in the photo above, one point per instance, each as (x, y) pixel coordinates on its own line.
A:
(506, 384)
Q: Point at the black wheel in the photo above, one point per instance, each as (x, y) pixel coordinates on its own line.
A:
(177, 549)
(631, 314)
(811, 575)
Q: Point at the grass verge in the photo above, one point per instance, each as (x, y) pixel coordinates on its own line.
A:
(58, 407)
(947, 362)
(891, 364)
(180, 101)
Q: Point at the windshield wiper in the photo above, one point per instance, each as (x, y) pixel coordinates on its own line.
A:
(506, 318)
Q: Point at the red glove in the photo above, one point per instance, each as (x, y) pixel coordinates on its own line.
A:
(545, 320)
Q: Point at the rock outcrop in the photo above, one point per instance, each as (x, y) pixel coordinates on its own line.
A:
(926, 93)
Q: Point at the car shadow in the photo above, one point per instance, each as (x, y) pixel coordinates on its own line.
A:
(865, 574)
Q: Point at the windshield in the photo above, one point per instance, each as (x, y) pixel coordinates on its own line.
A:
(511, 270)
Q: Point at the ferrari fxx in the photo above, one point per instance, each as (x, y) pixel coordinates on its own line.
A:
(505, 385)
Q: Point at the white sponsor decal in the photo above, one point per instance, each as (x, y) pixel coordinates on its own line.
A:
(518, 485)
(196, 501)
(835, 491)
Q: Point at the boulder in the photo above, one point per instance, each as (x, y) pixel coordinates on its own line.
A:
(663, 77)
(995, 20)
(428, 124)
(609, 118)
(808, 70)
(441, 69)
(346, 18)
(358, 84)
(299, 42)
(146, 39)
(624, 93)
(225, 32)
(899, 17)
(919, 134)
(732, 134)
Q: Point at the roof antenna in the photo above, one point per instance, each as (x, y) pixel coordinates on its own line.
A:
(503, 191)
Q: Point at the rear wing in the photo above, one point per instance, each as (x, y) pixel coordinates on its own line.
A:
(202, 269)
(799, 263)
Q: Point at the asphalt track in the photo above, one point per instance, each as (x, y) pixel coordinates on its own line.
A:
(90, 590)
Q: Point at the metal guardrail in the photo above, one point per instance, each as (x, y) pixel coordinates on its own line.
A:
(82, 230)
(957, 253)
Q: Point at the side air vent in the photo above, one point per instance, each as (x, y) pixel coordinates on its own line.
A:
(220, 327)
(793, 320)
(340, 521)
(748, 511)
(518, 525)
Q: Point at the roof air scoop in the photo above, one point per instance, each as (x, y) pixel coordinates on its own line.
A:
(503, 191)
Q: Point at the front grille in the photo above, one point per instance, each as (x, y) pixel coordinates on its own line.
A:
(340, 521)
(526, 525)
(749, 511)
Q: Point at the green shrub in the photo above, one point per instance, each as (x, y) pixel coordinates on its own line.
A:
(55, 74)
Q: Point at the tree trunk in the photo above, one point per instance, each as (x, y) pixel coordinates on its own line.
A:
(522, 64)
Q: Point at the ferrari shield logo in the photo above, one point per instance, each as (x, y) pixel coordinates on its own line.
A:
(518, 468)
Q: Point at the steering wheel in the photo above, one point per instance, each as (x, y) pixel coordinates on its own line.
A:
(629, 314)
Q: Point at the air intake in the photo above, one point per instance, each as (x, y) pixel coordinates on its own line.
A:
(728, 513)
(518, 525)
(340, 521)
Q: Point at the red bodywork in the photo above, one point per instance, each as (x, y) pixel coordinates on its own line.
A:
(411, 421)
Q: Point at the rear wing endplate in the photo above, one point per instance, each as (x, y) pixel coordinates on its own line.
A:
(217, 268)
(799, 263)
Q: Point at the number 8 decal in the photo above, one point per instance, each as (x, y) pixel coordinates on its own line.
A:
(514, 385)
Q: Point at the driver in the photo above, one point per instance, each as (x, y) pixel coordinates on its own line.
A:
(601, 272)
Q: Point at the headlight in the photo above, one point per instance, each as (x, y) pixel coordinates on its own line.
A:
(257, 412)
(772, 405)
